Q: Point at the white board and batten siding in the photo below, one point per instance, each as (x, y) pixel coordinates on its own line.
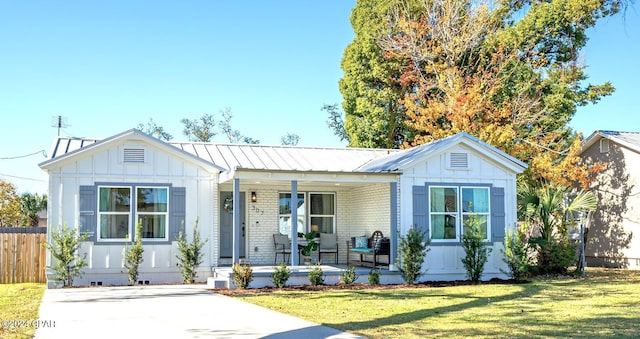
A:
(443, 262)
(134, 162)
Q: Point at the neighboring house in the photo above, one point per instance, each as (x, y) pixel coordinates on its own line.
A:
(614, 233)
(242, 194)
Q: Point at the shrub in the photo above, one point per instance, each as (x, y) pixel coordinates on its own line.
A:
(516, 254)
(133, 255)
(475, 249)
(64, 250)
(412, 251)
(316, 276)
(349, 276)
(242, 274)
(280, 275)
(190, 256)
(374, 277)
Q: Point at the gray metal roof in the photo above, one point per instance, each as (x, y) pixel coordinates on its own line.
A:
(630, 140)
(231, 157)
(283, 158)
(399, 160)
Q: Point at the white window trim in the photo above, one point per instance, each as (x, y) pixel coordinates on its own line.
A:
(307, 210)
(100, 213)
(166, 214)
(459, 214)
(133, 214)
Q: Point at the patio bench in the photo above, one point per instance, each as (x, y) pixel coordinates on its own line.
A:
(368, 251)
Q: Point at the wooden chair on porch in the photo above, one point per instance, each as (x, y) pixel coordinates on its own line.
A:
(282, 245)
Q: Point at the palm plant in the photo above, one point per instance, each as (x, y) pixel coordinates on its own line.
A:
(547, 211)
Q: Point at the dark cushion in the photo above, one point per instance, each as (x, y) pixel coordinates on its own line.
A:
(382, 246)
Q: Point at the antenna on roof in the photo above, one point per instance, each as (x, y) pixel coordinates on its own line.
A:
(59, 122)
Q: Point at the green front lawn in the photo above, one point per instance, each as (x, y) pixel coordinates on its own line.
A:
(604, 304)
(19, 302)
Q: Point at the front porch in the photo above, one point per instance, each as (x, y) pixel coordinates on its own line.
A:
(222, 276)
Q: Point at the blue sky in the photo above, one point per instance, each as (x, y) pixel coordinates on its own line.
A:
(108, 66)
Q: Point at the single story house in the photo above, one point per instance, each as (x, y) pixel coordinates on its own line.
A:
(241, 195)
(614, 231)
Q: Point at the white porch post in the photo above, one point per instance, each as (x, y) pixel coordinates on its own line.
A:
(235, 256)
(294, 223)
(393, 237)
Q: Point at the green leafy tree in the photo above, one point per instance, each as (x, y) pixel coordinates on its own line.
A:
(371, 86)
(201, 129)
(412, 249)
(64, 247)
(155, 130)
(290, 139)
(234, 136)
(507, 72)
(547, 213)
(133, 255)
(31, 205)
(10, 206)
(190, 253)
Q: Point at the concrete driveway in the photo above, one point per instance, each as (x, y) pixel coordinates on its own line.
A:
(165, 311)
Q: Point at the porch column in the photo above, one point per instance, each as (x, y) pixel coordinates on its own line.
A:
(393, 222)
(294, 223)
(235, 256)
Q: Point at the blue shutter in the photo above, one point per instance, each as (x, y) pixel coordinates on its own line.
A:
(177, 213)
(420, 213)
(497, 214)
(88, 202)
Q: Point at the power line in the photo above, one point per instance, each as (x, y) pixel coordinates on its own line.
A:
(23, 178)
(24, 156)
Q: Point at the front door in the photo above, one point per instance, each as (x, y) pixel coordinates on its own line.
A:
(226, 225)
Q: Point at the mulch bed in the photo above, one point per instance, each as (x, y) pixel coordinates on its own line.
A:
(358, 286)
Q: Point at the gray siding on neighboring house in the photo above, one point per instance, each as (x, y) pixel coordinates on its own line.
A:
(613, 236)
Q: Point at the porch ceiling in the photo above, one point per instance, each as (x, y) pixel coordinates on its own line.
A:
(304, 178)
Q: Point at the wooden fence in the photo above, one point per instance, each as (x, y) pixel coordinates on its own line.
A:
(22, 254)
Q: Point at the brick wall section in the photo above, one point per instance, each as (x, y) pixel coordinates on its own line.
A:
(360, 210)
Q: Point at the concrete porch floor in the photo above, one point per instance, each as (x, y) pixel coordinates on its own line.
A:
(262, 276)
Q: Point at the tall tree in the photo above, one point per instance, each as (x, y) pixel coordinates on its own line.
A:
(201, 129)
(505, 71)
(155, 130)
(9, 205)
(234, 135)
(371, 86)
(290, 139)
(30, 206)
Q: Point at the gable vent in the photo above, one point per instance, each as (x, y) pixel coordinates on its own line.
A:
(459, 160)
(133, 156)
(604, 145)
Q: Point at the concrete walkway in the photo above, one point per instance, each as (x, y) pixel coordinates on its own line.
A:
(165, 311)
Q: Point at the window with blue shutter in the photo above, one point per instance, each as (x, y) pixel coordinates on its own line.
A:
(148, 203)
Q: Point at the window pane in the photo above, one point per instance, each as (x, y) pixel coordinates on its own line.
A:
(481, 220)
(322, 204)
(285, 203)
(443, 226)
(325, 224)
(152, 199)
(443, 199)
(114, 226)
(115, 199)
(153, 226)
(475, 200)
(284, 224)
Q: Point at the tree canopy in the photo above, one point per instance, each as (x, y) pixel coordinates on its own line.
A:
(508, 72)
(9, 205)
